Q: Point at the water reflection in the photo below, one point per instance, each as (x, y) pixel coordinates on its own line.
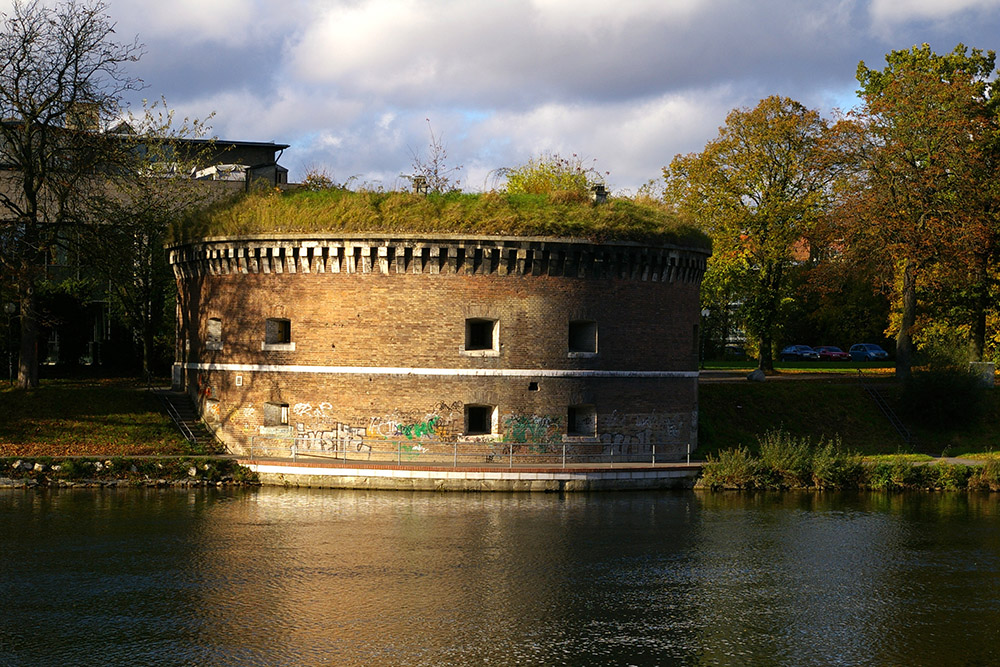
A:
(274, 576)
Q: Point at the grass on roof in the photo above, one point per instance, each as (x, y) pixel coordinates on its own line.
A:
(492, 214)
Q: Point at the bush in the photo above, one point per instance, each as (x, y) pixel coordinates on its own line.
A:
(986, 477)
(789, 459)
(734, 469)
(834, 468)
(953, 477)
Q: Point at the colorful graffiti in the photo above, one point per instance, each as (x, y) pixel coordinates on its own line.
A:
(539, 431)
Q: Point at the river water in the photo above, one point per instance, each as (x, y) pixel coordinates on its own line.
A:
(322, 577)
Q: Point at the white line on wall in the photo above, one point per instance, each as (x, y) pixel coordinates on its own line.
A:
(458, 372)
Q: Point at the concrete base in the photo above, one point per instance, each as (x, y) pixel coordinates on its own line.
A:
(409, 478)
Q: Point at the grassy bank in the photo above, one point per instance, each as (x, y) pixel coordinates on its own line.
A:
(105, 418)
(738, 413)
(787, 462)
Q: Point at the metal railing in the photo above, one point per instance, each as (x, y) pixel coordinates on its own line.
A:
(490, 453)
(176, 418)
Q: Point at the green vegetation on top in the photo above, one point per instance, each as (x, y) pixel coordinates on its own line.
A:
(559, 214)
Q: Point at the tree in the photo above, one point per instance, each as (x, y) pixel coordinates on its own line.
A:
(758, 190)
(62, 75)
(924, 193)
(434, 174)
(128, 218)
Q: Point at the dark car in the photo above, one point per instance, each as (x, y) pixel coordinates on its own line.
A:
(867, 352)
(798, 353)
(832, 353)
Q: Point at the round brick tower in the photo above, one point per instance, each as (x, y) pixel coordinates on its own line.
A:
(427, 347)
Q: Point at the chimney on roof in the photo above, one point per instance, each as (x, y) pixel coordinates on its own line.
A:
(598, 193)
(420, 186)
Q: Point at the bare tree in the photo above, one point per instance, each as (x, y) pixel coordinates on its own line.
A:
(433, 173)
(128, 217)
(62, 77)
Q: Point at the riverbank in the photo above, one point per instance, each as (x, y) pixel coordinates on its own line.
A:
(157, 472)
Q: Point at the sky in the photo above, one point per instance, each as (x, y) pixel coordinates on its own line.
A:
(356, 87)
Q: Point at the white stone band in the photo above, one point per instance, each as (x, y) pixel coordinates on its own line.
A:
(439, 372)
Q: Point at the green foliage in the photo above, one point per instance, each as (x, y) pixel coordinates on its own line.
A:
(568, 179)
(788, 462)
(758, 189)
(986, 477)
(923, 190)
(790, 458)
(733, 469)
(953, 477)
(337, 210)
(835, 468)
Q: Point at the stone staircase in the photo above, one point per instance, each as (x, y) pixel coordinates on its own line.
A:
(180, 408)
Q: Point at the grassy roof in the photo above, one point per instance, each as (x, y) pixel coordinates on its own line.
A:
(489, 214)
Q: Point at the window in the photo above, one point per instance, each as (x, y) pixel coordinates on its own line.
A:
(582, 337)
(480, 419)
(278, 335)
(581, 420)
(275, 414)
(278, 331)
(214, 341)
(482, 337)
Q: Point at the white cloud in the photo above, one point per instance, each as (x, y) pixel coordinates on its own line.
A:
(903, 11)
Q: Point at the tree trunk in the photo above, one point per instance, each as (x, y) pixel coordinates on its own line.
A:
(904, 339)
(27, 361)
(766, 362)
(978, 332)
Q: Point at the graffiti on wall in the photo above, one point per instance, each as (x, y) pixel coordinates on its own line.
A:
(538, 431)
(440, 424)
(621, 430)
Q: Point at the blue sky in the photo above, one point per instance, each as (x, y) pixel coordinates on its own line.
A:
(350, 84)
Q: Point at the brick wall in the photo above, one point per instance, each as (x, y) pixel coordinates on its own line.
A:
(377, 356)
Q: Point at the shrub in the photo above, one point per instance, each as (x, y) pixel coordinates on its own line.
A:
(952, 476)
(733, 469)
(986, 477)
(834, 468)
(788, 458)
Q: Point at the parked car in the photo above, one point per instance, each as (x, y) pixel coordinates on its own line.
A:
(867, 352)
(798, 353)
(832, 353)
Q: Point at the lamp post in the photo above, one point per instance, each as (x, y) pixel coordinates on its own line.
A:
(705, 312)
(10, 308)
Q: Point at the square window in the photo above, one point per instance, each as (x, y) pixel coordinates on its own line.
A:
(581, 420)
(278, 331)
(479, 419)
(583, 337)
(214, 331)
(275, 414)
(481, 334)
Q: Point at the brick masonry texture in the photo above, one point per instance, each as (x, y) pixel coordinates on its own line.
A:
(402, 303)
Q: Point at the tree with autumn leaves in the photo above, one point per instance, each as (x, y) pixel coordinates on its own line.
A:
(758, 189)
(905, 189)
(923, 194)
